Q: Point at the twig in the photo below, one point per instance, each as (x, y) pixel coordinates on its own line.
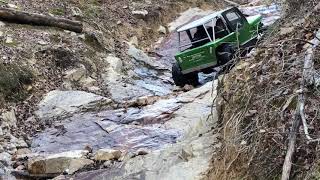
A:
(303, 117)
(289, 101)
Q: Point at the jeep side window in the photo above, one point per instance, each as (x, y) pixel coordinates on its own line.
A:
(220, 29)
(234, 19)
(200, 37)
(199, 34)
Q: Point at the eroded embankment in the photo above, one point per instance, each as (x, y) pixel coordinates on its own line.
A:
(263, 97)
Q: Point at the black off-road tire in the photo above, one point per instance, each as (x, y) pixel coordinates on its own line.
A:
(183, 79)
(225, 54)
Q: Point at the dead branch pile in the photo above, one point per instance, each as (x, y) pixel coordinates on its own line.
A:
(269, 107)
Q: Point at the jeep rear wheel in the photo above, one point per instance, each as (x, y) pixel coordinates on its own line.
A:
(183, 79)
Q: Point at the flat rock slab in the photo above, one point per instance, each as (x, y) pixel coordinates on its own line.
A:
(149, 127)
(188, 159)
(57, 104)
(82, 130)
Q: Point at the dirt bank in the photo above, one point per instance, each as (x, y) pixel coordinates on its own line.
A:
(260, 103)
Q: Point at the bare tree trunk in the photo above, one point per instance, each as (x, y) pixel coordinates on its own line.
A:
(15, 16)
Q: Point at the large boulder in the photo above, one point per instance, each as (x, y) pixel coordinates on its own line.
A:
(68, 162)
(63, 103)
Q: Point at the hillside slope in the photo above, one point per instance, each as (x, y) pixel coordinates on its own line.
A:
(269, 103)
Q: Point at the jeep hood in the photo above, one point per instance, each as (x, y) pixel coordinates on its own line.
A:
(254, 19)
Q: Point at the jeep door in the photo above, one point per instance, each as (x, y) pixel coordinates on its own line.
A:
(237, 23)
(199, 54)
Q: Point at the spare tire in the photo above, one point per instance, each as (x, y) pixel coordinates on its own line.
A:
(183, 79)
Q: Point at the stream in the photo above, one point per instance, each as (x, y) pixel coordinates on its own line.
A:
(173, 128)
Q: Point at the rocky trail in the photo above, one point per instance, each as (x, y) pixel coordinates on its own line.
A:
(145, 128)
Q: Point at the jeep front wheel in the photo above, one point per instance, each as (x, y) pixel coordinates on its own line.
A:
(225, 54)
(183, 79)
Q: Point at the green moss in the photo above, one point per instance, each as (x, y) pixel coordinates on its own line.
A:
(91, 8)
(12, 79)
(57, 11)
(3, 2)
(55, 38)
(92, 11)
(14, 43)
(93, 42)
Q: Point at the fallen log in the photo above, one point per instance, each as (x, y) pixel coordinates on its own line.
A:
(22, 17)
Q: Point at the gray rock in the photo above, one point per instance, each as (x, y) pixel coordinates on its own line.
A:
(2, 24)
(82, 36)
(162, 30)
(107, 154)
(18, 143)
(134, 41)
(107, 164)
(9, 40)
(12, 6)
(113, 72)
(76, 12)
(121, 92)
(5, 158)
(42, 42)
(62, 103)
(88, 82)
(1, 131)
(140, 14)
(23, 151)
(69, 162)
(9, 118)
(140, 56)
(75, 74)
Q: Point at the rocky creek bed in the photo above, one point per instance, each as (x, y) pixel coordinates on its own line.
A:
(146, 129)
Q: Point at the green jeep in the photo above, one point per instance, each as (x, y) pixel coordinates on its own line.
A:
(212, 41)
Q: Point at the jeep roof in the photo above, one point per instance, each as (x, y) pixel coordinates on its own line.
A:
(201, 21)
